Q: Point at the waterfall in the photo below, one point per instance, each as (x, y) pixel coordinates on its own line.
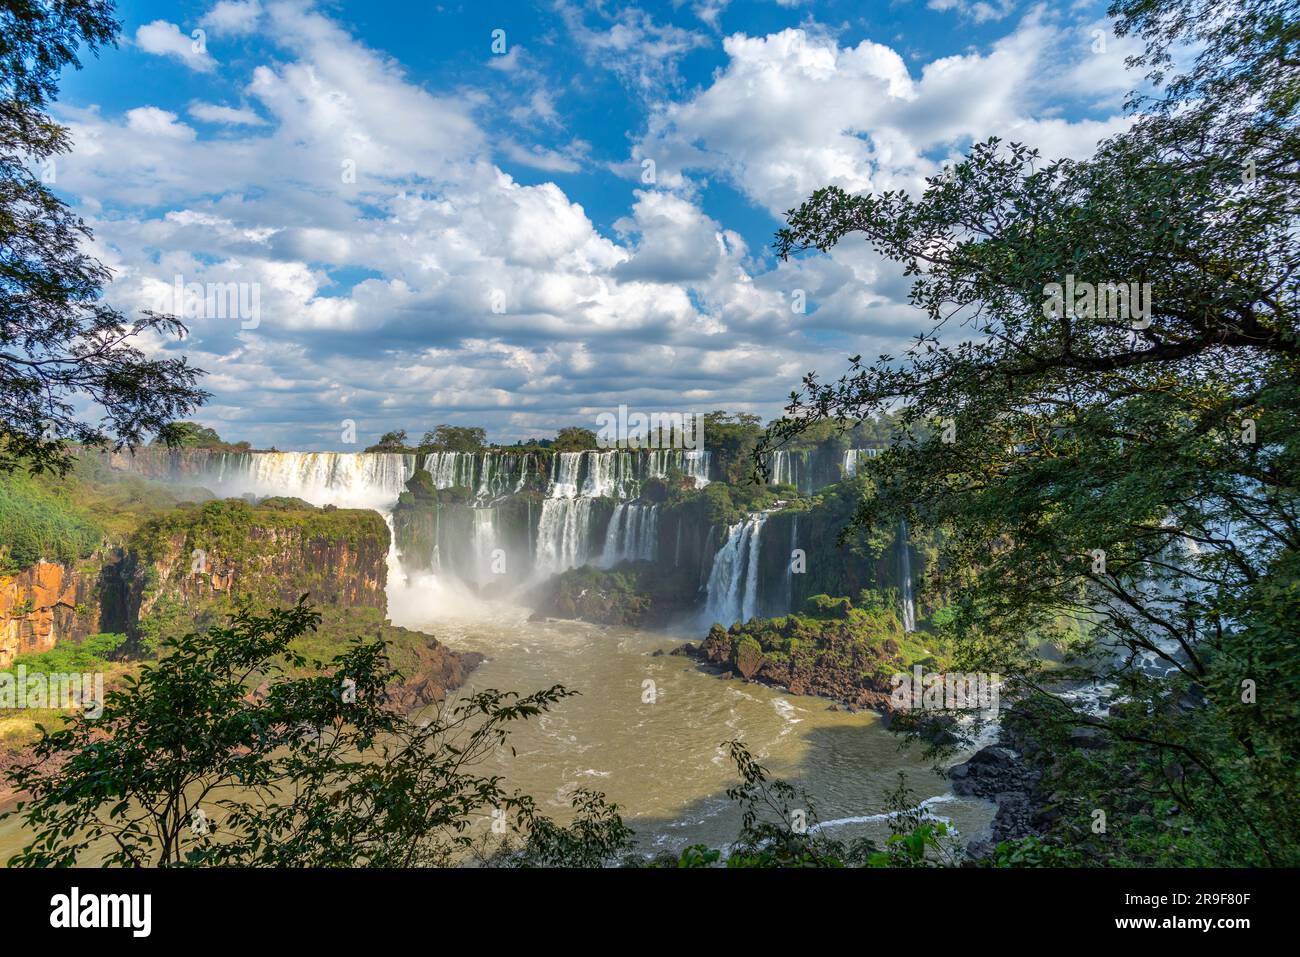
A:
(789, 564)
(348, 479)
(791, 468)
(563, 532)
(485, 541)
(694, 464)
(908, 602)
(733, 580)
(633, 535)
(564, 475)
(563, 528)
(610, 475)
(780, 469)
(450, 469)
(853, 460)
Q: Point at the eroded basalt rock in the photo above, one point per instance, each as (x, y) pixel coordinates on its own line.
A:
(49, 603)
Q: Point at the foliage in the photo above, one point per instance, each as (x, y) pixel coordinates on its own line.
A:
(596, 836)
(189, 765)
(61, 344)
(778, 821)
(731, 440)
(394, 441)
(454, 438)
(38, 523)
(224, 527)
(1122, 484)
(574, 439)
(192, 435)
(88, 654)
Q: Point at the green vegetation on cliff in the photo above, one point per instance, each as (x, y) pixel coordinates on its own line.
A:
(848, 650)
(64, 517)
(226, 527)
(194, 565)
(37, 522)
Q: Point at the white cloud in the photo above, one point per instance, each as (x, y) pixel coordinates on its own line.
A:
(643, 53)
(225, 115)
(980, 11)
(165, 39)
(793, 111)
(233, 17)
(149, 121)
(377, 295)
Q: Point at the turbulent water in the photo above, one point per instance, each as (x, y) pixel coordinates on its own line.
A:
(662, 761)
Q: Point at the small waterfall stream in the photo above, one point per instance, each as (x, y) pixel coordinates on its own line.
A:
(907, 600)
(733, 579)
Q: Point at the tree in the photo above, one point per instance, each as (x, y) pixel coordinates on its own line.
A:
(573, 438)
(390, 442)
(219, 755)
(1112, 464)
(60, 343)
(455, 438)
(731, 439)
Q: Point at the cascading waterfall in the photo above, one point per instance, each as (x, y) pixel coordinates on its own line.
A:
(563, 529)
(485, 543)
(465, 536)
(906, 597)
(733, 580)
(692, 463)
(491, 475)
(789, 565)
(562, 535)
(348, 479)
(633, 534)
(853, 459)
(783, 469)
(450, 469)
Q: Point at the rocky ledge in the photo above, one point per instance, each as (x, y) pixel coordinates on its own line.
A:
(1000, 774)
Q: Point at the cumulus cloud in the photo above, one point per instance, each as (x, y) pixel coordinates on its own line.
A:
(794, 110)
(165, 39)
(404, 278)
(234, 18)
(225, 115)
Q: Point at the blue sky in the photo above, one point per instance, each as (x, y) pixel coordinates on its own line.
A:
(430, 230)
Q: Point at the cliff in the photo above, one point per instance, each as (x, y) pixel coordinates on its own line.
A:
(46, 603)
(191, 564)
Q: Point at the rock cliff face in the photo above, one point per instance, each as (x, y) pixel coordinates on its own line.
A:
(183, 572)
(273, 560)
(51, 602)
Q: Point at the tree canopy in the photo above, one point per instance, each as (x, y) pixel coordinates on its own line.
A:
(64, 352)
(1113, 475)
